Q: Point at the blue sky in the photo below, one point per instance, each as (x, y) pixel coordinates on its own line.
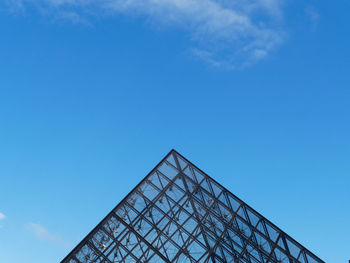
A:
(94, 93)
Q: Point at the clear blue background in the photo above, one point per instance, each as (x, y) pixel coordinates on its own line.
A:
(87, 111)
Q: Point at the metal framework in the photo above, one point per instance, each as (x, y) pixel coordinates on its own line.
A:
(177, 213)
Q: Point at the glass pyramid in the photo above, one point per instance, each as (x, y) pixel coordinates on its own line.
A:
(177, 213)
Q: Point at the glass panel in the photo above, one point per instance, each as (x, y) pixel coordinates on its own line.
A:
(293, 248)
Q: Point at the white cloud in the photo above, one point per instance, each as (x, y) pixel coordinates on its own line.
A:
(232, 32)
(43, 234)
(313, 15)
(2, 216)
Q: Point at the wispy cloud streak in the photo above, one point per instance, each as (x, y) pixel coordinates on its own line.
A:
(41, 233)
(223, 32)
(2, 216)
(313, 15)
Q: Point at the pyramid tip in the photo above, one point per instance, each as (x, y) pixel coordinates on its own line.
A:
(173, 150)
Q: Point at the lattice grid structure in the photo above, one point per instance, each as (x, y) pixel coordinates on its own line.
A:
(179, 214)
